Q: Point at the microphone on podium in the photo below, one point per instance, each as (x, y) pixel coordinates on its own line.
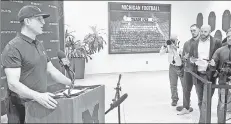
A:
(62, 58)
(117, 103)
(66, 64)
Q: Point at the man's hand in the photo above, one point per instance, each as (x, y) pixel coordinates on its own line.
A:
(173, 47)
(163, 49)
(201, 62)
(185, 57)
(193, 59)
(65, 61)
(212, 63)
(46, 100)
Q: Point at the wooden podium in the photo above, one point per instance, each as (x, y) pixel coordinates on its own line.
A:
(88, 107)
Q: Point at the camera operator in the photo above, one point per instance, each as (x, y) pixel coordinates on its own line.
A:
(175, 68)
(221, 57)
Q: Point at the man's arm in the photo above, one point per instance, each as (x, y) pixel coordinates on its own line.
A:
(185, 55)
(163, 50)
(180, 48)
(215, 58)
(219, 43)
(57, 75)
(13, 76)
(214, 63)
(184, 48)
(192, 50)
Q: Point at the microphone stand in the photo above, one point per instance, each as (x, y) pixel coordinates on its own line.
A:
(72, 77)
(117, 96)
(72, 82)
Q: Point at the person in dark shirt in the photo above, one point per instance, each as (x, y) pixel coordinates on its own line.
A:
(27, 65)
(224, 42)
(188, 83)
(222, 55)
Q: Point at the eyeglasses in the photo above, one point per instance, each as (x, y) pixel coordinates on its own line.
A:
(38, 18)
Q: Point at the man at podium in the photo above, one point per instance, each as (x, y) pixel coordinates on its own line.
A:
(26, 65)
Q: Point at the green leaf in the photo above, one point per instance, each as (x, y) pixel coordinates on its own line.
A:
(93, 42)
(99, 47)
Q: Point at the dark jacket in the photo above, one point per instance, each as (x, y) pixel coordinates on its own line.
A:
(214, 45)
(186, 50)
(224, 42)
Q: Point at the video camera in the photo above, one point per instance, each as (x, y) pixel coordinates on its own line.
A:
(225, 72)
(170, 42)
(175, 46)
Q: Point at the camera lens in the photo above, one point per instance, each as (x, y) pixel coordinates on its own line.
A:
(169, 42)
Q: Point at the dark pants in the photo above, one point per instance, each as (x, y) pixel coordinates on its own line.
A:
(200, 91)
(15, 110)
(221, 104)
(174, 73)
(188, 84)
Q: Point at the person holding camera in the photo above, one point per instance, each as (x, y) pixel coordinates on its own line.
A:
(200, 55)
(175, 67)
(221, 57)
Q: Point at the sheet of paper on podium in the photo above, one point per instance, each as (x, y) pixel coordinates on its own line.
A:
(88, 107)
(74, 91)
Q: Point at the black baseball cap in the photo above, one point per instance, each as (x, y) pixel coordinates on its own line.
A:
(30, 11)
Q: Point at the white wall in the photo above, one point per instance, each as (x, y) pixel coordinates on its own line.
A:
(81, 14)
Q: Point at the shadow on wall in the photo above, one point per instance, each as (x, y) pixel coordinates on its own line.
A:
(226, 18)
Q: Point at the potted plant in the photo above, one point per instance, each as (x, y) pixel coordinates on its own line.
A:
(80, 52)
(94, 41)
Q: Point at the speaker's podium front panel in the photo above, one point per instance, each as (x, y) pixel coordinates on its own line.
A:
(89, 107)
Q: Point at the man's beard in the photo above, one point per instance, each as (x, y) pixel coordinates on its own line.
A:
(206, 37)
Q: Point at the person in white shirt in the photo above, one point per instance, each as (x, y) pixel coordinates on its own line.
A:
(200, 55)
(175, 65)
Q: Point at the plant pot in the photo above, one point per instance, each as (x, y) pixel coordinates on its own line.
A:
(78, 66)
